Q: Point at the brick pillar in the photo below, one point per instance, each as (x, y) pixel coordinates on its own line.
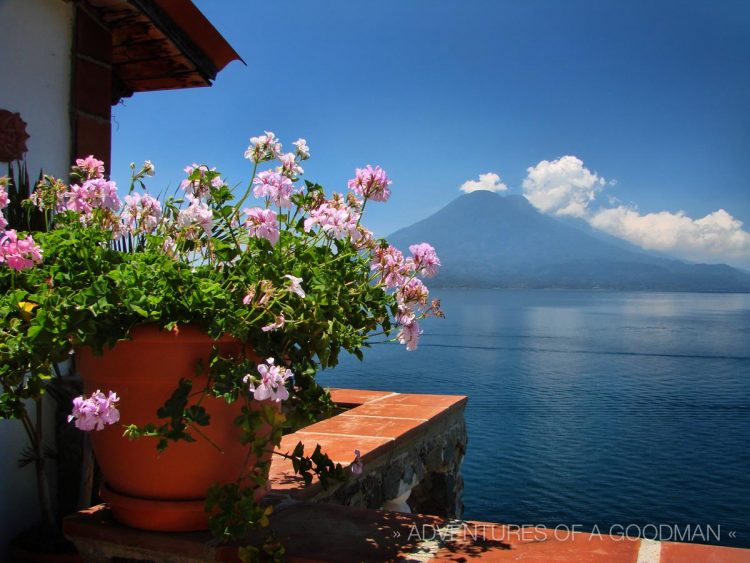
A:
(92, 89)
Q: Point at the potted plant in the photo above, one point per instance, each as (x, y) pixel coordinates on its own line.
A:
(198, 322)
(47, 438)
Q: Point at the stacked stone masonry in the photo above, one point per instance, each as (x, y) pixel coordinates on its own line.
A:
(424, 460)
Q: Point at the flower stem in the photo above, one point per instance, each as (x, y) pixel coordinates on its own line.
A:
(247, 192)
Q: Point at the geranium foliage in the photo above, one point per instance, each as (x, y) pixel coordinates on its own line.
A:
(278, 264)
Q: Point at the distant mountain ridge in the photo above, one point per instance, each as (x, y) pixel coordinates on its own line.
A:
(488, 240)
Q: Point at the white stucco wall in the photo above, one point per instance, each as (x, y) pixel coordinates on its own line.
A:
(35, 67)
(35, 80)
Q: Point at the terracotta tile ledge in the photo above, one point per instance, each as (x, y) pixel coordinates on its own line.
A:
(383, 426)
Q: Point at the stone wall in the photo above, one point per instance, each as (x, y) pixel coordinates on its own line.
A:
(428, 467)
(412, 447)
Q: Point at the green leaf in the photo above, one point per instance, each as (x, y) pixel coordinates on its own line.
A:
(138, 309)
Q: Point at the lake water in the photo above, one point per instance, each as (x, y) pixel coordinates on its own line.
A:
(589, 408)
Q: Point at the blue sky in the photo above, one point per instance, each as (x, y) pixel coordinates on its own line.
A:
(651, 98)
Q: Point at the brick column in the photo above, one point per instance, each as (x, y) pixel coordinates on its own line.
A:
(92, 88)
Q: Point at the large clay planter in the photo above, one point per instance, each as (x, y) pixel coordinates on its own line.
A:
(166, 491)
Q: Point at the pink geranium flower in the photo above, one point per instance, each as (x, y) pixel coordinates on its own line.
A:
(196, 216)
(336, 218)
(96, 193)
(272, 382)
(90, 167)
(289, 165)
(303, 151)
(200, 187)
(262, 223)
(95, 412)
(425, 259)
(409, 335)
(389, 262)
(249, 296)
(263, 147)
(3, 197)
(296, 285)
(168, 246)
(141, 213)
(277, 324)
(371, 183)
(3, 204)
(413, 292)
(19, 253)
(275, 186)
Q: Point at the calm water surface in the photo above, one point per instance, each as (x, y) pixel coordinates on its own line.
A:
(589, 408)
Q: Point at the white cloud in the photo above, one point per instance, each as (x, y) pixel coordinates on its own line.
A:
(566, 187)
(716, 237)
(489, 182)
(562, 187)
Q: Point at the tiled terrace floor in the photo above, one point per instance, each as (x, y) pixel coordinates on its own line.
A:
(377, 424)
(332, 533)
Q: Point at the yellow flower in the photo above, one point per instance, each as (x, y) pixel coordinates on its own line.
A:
(26, 309)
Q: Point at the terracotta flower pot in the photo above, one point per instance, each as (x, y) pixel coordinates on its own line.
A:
(166, 491)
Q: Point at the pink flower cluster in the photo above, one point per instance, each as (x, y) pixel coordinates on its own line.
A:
(276, 324)
(142, 213)
(338, 218)
(335, 218)
(289, 166)
(394, 269)
(272, 383)
(263, 148)
(371, 183)
(302, 150)
(169, 247)
(425, 259)
(96, 193)
(196, 217)
(50, 195)
(413, 292)
(90, 167)
(95, 412)
(409, 333)
(19, 254)
(275, 186)
(93, 191)
(200, 181)
(400, 273)
(389, 262)
(295, 285)
(262, 223)
(3, 204)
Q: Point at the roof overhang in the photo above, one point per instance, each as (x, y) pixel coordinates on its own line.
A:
(160, 45)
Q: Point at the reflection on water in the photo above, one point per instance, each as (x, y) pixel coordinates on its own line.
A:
(589, 407)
